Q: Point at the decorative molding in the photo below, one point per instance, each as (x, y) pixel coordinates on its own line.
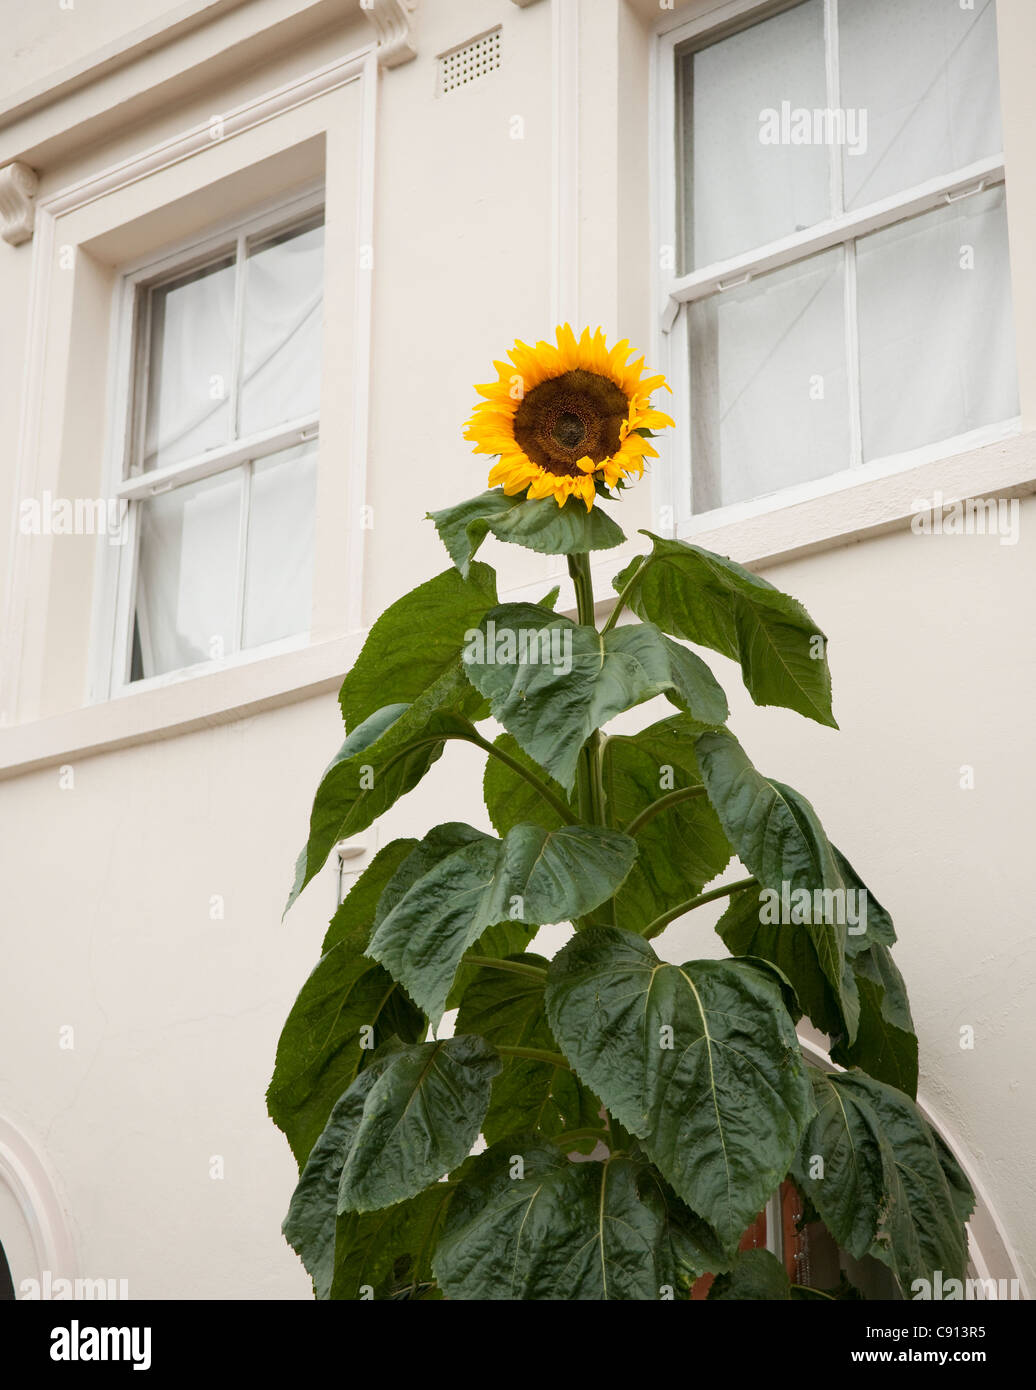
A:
(393, 22)
(523, 4)
(17, 202)
(24, 1173)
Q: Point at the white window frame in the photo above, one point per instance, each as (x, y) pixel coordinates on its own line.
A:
(134, 486)
(676, 292)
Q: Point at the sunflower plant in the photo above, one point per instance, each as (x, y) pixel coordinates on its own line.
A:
(634, 1115)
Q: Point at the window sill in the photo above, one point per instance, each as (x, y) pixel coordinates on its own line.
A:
(179, 706)
(837, 511)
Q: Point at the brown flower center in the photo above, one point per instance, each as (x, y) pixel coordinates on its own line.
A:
(574, 416)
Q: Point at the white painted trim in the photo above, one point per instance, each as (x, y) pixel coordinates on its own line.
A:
(354, 66)
(564, 289)
(169, 707)
(24, 1173)
(363, 321)
(991, 1252)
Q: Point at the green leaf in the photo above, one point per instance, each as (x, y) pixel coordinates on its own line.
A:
(378, 763)
(788, 947)
(407, 1119)
(778, 837)
(552, 683)
(568, 1231)
(320, 1050)
(699, 1061)
(889, 1186)
(415, 641)
(756, 1275)
(680, 849)
(716, 603)
(384, 1252)
(509, 1009)
(510, 800)
(879, 928)
(469, 881)
(886, 1045)
(539, 525)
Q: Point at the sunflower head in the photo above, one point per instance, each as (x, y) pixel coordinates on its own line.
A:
(567, 421)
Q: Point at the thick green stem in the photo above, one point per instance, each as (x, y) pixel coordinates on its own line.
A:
(524, 772)
(660, 923)
(591, 785)
(534, 1054)
(513, 967)
(620, 602)
(662, 804)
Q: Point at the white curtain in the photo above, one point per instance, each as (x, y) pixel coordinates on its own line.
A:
(189, 604)
(191, 365)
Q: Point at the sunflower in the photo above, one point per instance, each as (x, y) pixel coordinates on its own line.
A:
(567, 421)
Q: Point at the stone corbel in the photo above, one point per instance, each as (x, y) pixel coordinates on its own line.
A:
(17, 202)
(393, 21)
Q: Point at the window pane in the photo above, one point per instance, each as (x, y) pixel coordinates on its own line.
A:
(279, 578)
(769, 403)
(190, 365)
(937, 353)
(284, 293)
(187, 574)
(925, 71)
(738, 191)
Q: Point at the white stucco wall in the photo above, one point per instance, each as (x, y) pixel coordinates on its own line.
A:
(107, 926)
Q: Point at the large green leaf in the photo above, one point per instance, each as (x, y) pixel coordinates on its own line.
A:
(508, 1009)
(407, 1119)
(699, 1061)
(716, 603)
(321, 1047)
(755, 1276)
(465, 882)
(378, 763)
(539, 525)
(888, 1185)
(777, 835)
(415, 641)
(790, 948)
(379, 1253)
(886, 1044)
(680, 849)
(529, 1224)
(552, 682)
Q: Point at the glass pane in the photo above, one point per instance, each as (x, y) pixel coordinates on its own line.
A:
(740, 192)
(187, 574)
(279, 572)
(769, 402)
(925, 72)
(284, 298)
(190, 365)
(937, 349)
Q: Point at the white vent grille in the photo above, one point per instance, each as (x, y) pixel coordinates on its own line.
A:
(475, 60)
